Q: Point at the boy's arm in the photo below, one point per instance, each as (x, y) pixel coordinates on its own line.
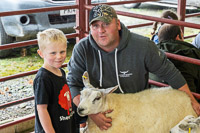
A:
(45, 118)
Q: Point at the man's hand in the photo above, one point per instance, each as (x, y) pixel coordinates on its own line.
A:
(196, 107)
(76, 100)
(195, 104)
(101, 120)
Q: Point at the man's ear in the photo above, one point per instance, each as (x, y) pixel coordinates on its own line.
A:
(40, 53)
(118, 24)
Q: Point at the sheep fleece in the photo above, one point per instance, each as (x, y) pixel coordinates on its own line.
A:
(149, 111)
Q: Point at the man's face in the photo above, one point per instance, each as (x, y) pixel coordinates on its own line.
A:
(106, 35)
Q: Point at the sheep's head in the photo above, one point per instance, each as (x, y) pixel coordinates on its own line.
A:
(92, 100)
(188, 123)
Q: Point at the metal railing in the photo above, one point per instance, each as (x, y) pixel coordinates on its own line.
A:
(82, 29)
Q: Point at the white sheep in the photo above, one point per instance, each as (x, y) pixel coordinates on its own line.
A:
(189, 124)
(150, 111)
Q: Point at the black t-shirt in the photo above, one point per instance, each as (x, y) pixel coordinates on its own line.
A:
(53, 90)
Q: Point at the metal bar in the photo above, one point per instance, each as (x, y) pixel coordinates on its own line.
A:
(117, 3)
(19, 44)
(175, 22)
(140, 25)
(124, 2)
(152, 82)
(196, 95)
(22, 74)
(18, 75)
(36, 10)
(190, 36)
(17, 121)
(30, 42)
(192, 15)
(183, 58)
(16, 102)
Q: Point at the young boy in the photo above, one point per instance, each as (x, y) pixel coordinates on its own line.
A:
(53, 108)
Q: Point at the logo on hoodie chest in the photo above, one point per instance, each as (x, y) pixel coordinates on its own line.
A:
(124, 74)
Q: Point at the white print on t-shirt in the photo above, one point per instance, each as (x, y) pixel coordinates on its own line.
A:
(125, 74)
(67, 95)
(63, 118)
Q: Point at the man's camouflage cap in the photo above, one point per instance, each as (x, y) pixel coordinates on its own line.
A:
(103, 13)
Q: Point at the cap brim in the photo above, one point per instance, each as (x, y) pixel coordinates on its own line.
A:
(100, 19)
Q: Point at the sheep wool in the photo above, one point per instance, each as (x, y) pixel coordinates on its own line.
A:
(155, 110)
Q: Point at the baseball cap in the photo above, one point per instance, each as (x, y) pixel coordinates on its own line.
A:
(103, 13)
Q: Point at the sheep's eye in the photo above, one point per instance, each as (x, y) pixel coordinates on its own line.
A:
(96, 99)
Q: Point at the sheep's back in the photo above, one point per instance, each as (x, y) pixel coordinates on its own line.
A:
(148, 111)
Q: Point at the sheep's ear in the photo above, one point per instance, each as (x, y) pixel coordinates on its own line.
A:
(86, 80)
(109, 90)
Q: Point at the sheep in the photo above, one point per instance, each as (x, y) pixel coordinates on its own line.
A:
(189, 124)
(148, 111)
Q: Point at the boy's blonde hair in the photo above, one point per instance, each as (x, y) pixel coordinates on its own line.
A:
(48, 36)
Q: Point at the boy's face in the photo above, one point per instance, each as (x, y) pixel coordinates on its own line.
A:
(54, 55)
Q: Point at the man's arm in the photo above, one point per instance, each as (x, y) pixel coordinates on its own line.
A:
(195, 104)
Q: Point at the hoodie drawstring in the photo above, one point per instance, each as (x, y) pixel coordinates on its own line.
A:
(100, 68)
(116, 70)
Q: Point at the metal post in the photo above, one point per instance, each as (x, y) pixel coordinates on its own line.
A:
(88, 2)
(80, 19)
(181, 10)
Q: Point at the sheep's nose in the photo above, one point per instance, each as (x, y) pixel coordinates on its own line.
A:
(80, 110)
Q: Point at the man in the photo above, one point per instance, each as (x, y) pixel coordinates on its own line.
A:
(113, 55)
(171, 40)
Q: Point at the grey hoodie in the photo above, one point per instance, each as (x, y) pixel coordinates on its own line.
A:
(127, 66)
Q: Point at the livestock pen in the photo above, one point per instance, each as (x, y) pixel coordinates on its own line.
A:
(82, 30)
